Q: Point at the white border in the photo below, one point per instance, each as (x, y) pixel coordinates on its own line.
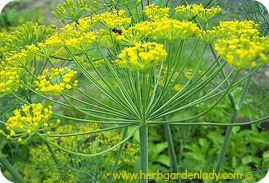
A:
(2, 5)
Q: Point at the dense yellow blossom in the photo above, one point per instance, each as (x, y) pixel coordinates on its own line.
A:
(172, 29)
(82, 43)
(21, 59)
(193, 10)
(135, 33)
(113, 19)
(56, 81)
(77, 37)
(165, 28)
(155, 12)
(9, 80)
(141, 56)
(237, 28)
(27, 121)
(243, 52)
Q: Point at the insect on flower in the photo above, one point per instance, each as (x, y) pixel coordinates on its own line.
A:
(117, 30)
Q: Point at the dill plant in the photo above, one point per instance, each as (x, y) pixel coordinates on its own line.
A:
(121, 65)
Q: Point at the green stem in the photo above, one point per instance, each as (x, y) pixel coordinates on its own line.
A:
(143, 133)
(171, 149)
(118, 156)
(52, 154)
(230, 128)
(11, 170)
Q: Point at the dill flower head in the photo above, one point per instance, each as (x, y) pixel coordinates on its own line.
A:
(78, 37)
(189, 11)
(172, 29)
(27, 121)
(25, 35)
(113, 19)
(74, 9)
(134, 34)
(193, 10)
(141, 56)
(155, 12)
(208, 36)
(20, 59)
(56, 81)
(237, 28)
(9, 80)
(243, 52)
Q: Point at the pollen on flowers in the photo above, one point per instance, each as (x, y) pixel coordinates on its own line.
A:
(141, 56)
(56, 81)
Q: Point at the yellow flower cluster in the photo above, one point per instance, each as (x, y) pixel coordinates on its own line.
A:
(9, 80)
(50, 47)
(172, 29)
(237, 28)
(208, 36)
(56, 81)
(82, 43)
(169, 29)
(78, 37)
(243, 52)
(23, 36)
(155, 12)
(27, 121)
(193, 10)
(74, 9)
(20, 60)
(113, 19)
(141, 56)
(134, 33)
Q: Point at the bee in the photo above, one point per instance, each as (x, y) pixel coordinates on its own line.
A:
(117, 30)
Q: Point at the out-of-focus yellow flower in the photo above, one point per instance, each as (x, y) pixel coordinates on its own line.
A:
(27, 121)
(56, 81)
(141, 56)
